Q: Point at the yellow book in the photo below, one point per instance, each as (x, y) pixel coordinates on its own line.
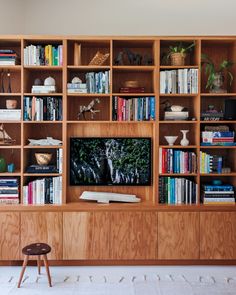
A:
(50, 55)
(46, 55)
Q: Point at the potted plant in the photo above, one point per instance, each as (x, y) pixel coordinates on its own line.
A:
(215, 79)
(177, 53)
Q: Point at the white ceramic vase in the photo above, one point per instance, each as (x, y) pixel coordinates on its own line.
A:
(184, 141)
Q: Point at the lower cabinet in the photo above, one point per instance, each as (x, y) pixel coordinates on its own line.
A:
(178, 235)
(9, 236)
(44, 227)
(218, 235)
(86, 235)
(133, 235)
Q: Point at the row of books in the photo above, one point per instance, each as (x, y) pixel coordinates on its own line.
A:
(210, 163)
(9, 191)
(218, 137)
(179, 81)
(10, 114)
(98, 82)
(42, 108)
(8, 57)
(174, 190)
(177, 161)
(43, 191)
(133, 109)
(218, 194)
(40, 55)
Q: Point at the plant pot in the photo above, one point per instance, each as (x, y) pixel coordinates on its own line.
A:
(218, 83)
(177, 59)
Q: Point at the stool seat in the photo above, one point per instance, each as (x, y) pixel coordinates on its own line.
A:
(36, 249)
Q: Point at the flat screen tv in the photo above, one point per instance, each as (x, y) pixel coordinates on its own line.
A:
(110, 161)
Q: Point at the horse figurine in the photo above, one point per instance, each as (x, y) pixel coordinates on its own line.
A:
(89, 108)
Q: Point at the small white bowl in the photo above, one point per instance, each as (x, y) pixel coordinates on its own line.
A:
(171, 139)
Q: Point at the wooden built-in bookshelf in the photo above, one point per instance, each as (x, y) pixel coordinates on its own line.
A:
(148, 232)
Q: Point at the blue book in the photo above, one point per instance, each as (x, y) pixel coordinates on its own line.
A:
(152, 108)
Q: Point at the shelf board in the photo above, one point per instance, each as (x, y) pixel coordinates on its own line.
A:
(11, 121)
(178, 147)
(179, 67)
(89, 94)
(42, 174)
(110, 122)
(88, 67)
(177, 122)
(10, 94)
(10, 67)
(16, 173)
(134, 68)
(46, 68)
(217, 146)
(218, 122)
(10, 146)
(43, 94)
(133, 94)
(43, 147)
(178, 174)
(179, 94)
(218, 94)
(43, 122)
(218, 174)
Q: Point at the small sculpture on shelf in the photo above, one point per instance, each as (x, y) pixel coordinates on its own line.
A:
(118, 61)
(99, 59)
(45, 141)
(174, 112)
(89, 108)
(5, 139)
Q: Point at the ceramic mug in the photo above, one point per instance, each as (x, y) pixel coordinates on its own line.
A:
(11, 167)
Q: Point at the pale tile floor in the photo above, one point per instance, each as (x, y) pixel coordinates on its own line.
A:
(122, 280)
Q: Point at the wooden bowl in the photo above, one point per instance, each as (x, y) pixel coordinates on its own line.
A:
(131, 83)
(43, 158)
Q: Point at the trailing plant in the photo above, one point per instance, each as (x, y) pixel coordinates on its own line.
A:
(212, 70)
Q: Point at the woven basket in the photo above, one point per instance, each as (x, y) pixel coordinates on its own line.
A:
(177, 59)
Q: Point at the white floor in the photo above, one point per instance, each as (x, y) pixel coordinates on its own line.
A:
(122, 280)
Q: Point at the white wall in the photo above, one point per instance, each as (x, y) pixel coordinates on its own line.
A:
(120, 17)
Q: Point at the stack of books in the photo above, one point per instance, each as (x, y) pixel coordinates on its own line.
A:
(8, 57)
(43, 191)
(132, 90)
(43, 89)
(218, 194)
(9, 191)
(177, 191)
(183, 81)
(133, 109)
(10, 114)
(42, 108)
(98, 82)
(177, 161)
(39, 55)
(218, 138)
(210, 163)
(76, 87)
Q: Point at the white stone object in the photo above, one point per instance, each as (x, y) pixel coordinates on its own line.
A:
(102, 197)
(49, 81)
(46, 141)
(76, 80)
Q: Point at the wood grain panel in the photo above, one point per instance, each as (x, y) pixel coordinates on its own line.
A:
(133, 235)
(9, 236)
(218, 235)
(45, 227)
(85, 235)
(178, 235)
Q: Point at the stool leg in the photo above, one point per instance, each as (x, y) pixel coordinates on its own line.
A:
(38, 263)
(23, 270)
(47, 269)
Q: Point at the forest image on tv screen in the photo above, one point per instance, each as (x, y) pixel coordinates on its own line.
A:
(110, 161)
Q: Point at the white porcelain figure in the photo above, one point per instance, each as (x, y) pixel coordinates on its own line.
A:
(184, 141)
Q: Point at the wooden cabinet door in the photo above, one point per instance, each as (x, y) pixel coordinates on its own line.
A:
(85, 235)
(9, 236)
(44, 227)
(218, 235)
(178, 235)
(133, 235)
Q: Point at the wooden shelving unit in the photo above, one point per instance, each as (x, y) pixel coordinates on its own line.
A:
(148, 232)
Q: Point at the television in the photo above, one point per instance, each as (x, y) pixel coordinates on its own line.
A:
(110, 161)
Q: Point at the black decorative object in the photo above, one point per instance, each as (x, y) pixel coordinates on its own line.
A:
(118, 61)
(147, 60)
(230, 109)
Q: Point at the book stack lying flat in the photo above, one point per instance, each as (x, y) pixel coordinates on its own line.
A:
(132, 90)
(42, 108)
(218, 194)
(76, 87)
(179, 81)
(210, 163)
(8, 57)
(43, 191)
(10, 115)
(218, 138)
(9, 191)
(173, 190)
(43, 89)
(133, 109)
(177, 161)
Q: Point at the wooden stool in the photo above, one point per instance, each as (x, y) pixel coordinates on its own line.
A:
(36, 249)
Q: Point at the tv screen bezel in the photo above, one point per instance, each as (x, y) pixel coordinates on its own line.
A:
(149, 183)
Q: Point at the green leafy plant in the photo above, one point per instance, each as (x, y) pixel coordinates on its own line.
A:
(180, 48)
(212, 70)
